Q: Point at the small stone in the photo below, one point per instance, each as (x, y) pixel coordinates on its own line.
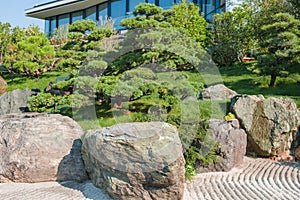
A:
(217, 92)
(14, 102)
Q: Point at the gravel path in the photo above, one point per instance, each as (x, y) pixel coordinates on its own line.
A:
(257, 179)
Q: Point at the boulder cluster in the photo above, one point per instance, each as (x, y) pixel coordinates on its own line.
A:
(139, 160)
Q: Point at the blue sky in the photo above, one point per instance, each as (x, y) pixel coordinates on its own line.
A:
(12, 11)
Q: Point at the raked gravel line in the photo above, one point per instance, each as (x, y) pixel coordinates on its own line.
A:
(257, 179)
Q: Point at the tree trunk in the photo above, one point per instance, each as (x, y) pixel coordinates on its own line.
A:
(273, 79)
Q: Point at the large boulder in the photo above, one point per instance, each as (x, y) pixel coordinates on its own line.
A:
(3, 85)
(217, 92)
(14, 102)
(136, 160)
(40, 147)
(232, 142)
(271, 124)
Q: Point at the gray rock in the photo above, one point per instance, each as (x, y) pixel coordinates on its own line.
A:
(38, 147)
(14, 102)
(232, 149)
(217, 92)
(271, 124)
(136, 161)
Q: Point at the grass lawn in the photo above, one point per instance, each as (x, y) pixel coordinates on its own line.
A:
(243, 81)
(21, 82)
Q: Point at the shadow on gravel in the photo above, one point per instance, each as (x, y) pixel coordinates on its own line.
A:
(290, 164)
(88, 190)
(71, 167)
(71, 174)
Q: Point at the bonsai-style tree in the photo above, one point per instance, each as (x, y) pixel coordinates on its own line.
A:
(281, 44)
(29, 52)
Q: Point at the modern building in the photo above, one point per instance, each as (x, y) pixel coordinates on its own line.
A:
(61, 12)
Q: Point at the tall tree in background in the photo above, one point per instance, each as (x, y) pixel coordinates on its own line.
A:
(232, 35)
(4, 39)
(281, 42)
(186, 18)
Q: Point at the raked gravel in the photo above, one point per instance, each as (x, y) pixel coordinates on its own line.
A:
(257, 179)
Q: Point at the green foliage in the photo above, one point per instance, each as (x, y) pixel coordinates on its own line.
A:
(46, 102)
(295, 8)
(30, 52)
(85, 85)
(230, 116)
(99, 34)
(82, 26)
(83, 36)
(60, 36)
(5, 39)
(281, 41)
(186, 18)
(232, 35)
(147, 9)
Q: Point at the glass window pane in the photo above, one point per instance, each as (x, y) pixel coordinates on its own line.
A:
(77, 16)
(166, 4)
(103, 11)
(134, 3)
(151, 1)
(63, 20)
(52, 24)
(210, 10)
(91, 13)
(47, 26)
(223, 5)
(118, 12)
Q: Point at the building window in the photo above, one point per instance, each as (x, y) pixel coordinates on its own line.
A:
(52, 24)
(63, 20)
(118, 12)
(76, 16)
(91, 13)
(47, 26)
(133, 4)
(151, 1)
(166, 4)
(223, 5)
(103, 12)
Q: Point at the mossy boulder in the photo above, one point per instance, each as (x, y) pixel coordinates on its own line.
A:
(271, 124)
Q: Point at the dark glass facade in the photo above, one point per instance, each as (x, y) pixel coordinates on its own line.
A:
(120, 9)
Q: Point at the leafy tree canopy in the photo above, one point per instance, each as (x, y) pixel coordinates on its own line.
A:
(281, 44)
(184, 17)
(29, 52)
(232, 35)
